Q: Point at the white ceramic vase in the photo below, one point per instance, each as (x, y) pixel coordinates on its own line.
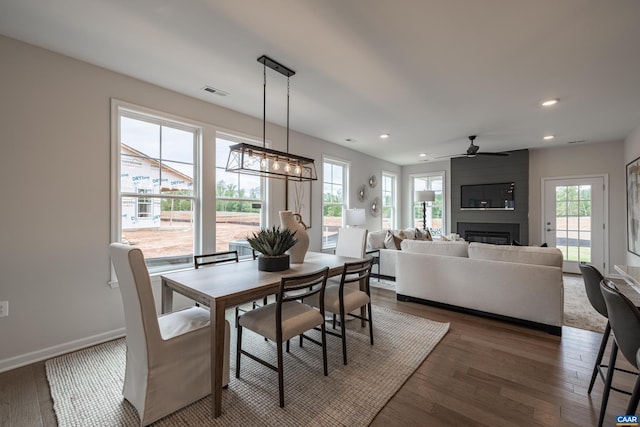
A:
(293, 221)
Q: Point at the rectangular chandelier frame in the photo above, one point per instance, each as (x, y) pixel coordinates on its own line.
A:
(261, 161)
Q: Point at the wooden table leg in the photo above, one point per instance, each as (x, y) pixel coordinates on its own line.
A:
(217, 355)
(167, 298)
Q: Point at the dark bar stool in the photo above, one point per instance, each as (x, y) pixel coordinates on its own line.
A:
(592, 279)
(624, 317)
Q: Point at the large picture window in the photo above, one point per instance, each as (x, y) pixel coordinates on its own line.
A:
(239, 201)
(334, 199)
(157, 187)
(435, 211)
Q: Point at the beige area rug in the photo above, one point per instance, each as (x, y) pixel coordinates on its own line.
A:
(578, 311)
(86, 386)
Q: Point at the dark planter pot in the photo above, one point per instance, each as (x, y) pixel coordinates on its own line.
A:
(273, 263)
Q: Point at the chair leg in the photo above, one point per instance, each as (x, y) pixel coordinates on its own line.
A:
(324, 349)
(370, 324)
(635, 397)
(238, 349)
(237, 315)
(300, 340)
(288, 346)
(607, 385)
(334, 321)
(343, 332)
(603, 346)
(280, 374)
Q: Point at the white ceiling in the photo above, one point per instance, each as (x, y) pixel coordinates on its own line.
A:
(429, 72)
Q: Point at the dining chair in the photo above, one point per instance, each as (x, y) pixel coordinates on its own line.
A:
(286, 318)
(343, 300)
(221, 257)
(592, 279)
(624, 317)
(352, 242)
(168, 357)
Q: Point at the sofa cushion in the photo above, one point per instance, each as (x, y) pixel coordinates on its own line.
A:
(423, 234)
(457, 249)
(375, 239)
(389, 241)
(521, 254)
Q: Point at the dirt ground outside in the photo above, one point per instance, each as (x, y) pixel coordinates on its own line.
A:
(174, 237)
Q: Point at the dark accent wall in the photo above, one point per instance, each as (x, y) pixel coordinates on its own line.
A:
(489, 170)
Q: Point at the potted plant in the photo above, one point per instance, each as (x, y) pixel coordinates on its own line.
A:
(272, 243)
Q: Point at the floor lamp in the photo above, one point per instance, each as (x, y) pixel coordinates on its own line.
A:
(425, 196)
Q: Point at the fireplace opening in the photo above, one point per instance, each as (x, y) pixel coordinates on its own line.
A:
(489, 232)
(493, 237)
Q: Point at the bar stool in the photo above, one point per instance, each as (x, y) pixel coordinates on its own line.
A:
(592, 279)
(624, 317)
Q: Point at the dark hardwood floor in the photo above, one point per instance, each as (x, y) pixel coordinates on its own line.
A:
(483, 373)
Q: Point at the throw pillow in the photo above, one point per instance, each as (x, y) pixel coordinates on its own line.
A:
(375, 239)
(427, 235)
(389, 242)
(419, 235)
(397, 241)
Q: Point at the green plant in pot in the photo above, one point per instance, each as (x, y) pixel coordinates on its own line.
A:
(272, 243)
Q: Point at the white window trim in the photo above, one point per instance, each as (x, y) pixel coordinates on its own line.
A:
(395, 202)
(445, 201)
(346, 178)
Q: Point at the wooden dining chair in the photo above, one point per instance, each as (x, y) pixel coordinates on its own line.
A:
(344, 299)
(221, 257)
(286, 318)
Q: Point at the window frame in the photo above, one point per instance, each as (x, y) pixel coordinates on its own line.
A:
(394, 198)
(346, 165)
(414, 204)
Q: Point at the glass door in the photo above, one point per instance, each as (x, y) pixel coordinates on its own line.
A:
(574, 220)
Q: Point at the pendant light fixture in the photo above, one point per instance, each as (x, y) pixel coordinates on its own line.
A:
(251, 159)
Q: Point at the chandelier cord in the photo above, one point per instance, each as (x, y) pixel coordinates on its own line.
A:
(288, 78)
(264, 105)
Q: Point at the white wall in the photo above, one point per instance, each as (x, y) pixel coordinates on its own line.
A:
(581, 160)
(54, 222)
(631, 152)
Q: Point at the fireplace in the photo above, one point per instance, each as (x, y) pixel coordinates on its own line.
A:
(488, 232)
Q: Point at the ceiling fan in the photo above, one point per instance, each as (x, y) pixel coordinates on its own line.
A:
(472, 151)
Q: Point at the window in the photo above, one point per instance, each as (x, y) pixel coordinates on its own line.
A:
(434, 213)
(157, 189)
(389, 201)
(239, 201)
(334, 199)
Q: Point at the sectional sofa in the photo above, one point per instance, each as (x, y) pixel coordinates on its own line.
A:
(521, 284)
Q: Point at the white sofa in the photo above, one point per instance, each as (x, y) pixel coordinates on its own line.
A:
(521, 284)
(387, 249)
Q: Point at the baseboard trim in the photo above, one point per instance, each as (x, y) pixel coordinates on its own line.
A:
(382, 276)
(554, 330)
(57, 350)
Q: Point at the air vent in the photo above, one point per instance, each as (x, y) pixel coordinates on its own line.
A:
(215, 91)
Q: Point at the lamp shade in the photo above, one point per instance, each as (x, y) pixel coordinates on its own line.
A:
(425, 196)
(355, 217)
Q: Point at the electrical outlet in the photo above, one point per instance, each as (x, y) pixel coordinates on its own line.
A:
(4, 308)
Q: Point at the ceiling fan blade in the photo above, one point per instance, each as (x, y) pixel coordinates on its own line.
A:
(491, 154)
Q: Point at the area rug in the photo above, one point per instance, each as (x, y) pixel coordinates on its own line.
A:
(86, 386)
(578, 311)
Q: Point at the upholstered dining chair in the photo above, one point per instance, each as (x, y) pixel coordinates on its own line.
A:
(168, 357)
(344, 300)
(592, 279)
(624, 317)
(286, 318)
(221, 257)
(352, 242)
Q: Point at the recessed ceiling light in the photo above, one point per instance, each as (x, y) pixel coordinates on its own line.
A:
(385, 135)
(550, 102)
(548, 137)
(215, 91)
(422, 154)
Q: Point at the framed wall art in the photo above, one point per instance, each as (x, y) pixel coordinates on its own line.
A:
(633, 206)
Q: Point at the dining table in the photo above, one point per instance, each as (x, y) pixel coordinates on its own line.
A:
(227, 285)
(631, 287)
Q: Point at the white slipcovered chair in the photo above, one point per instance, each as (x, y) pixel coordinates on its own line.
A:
(168, 357)
(352, 242)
